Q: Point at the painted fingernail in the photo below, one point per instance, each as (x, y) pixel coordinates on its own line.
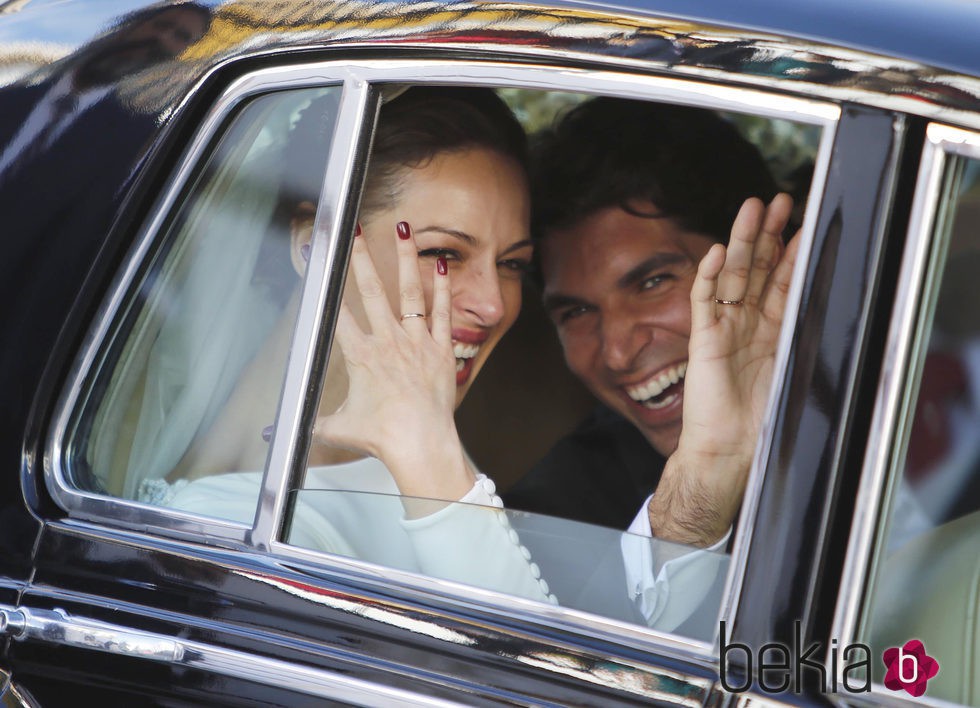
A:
(441, 265)
(357, 229)
(267, 433)
(304, 251)
(402, 228)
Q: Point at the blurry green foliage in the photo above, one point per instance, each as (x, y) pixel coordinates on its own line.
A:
(538, 109)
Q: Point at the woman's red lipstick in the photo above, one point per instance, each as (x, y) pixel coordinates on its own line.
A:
(465, 341)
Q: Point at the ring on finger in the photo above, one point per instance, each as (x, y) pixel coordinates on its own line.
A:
(409, 315)
(728, 302)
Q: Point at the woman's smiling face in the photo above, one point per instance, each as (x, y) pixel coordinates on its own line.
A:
(471, 207)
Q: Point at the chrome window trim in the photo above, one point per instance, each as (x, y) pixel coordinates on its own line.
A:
(318, 306)
(514, 607)
(296, 410)
(538, 613)
(686, 91)
(922, 263)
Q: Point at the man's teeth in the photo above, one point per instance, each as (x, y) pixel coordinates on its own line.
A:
(656, 385)
(462, 352)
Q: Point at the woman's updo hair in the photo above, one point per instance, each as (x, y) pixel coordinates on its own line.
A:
(413, 128)
(426, 121)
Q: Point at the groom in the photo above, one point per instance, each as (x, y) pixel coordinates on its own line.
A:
(629, 198)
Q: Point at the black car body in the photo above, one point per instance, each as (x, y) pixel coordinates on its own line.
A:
(106, 600)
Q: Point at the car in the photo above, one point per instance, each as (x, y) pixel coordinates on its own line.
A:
(141, 150)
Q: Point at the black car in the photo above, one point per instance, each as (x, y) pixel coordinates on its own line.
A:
(142, 152)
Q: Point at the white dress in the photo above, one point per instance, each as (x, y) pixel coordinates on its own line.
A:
(354, 509)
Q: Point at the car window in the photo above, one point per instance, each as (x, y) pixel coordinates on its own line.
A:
(204, 320)
(350, 505)
(925, 598)
(182, 404)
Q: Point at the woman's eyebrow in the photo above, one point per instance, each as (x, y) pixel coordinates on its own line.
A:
(455, 233)
(469, 239)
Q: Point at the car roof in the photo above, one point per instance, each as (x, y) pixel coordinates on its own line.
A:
(937, 33)
(940, 33)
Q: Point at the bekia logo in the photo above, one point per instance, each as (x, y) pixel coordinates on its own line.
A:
(783, 668)
(909, 668)
(780, 668)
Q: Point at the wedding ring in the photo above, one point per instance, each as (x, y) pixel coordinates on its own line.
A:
(409, 315)
(728, 302)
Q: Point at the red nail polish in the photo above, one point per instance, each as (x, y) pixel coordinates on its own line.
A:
(357, 229)
(402, 228)
(441, 265)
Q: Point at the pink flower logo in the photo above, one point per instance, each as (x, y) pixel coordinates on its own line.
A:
(909, 667)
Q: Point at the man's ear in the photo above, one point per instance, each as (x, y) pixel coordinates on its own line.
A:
(300, 233)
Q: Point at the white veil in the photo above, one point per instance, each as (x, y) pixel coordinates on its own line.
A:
(205, 309)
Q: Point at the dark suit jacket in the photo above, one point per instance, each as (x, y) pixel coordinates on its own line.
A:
(601, 473)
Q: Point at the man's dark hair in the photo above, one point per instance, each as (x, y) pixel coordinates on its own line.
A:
(690, 163)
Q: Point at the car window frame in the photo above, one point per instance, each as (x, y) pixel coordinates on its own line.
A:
(363, 82)
(920, 274)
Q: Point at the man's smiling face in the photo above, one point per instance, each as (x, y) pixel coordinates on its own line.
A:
(617, 287)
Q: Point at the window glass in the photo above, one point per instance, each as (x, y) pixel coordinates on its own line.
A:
(534, 556)
(929, 568)
(519, 406)
(191, 376)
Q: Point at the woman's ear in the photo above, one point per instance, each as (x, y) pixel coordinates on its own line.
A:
(300, 234)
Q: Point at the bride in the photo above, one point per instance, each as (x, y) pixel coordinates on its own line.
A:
(441, 247)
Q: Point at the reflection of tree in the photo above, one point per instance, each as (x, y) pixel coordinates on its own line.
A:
(240, 24)
(536, 109)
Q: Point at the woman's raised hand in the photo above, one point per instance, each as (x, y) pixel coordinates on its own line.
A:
(737, 301)
(402, 377)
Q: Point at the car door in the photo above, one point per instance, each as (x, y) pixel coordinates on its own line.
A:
(133, 600)
(199, 605)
